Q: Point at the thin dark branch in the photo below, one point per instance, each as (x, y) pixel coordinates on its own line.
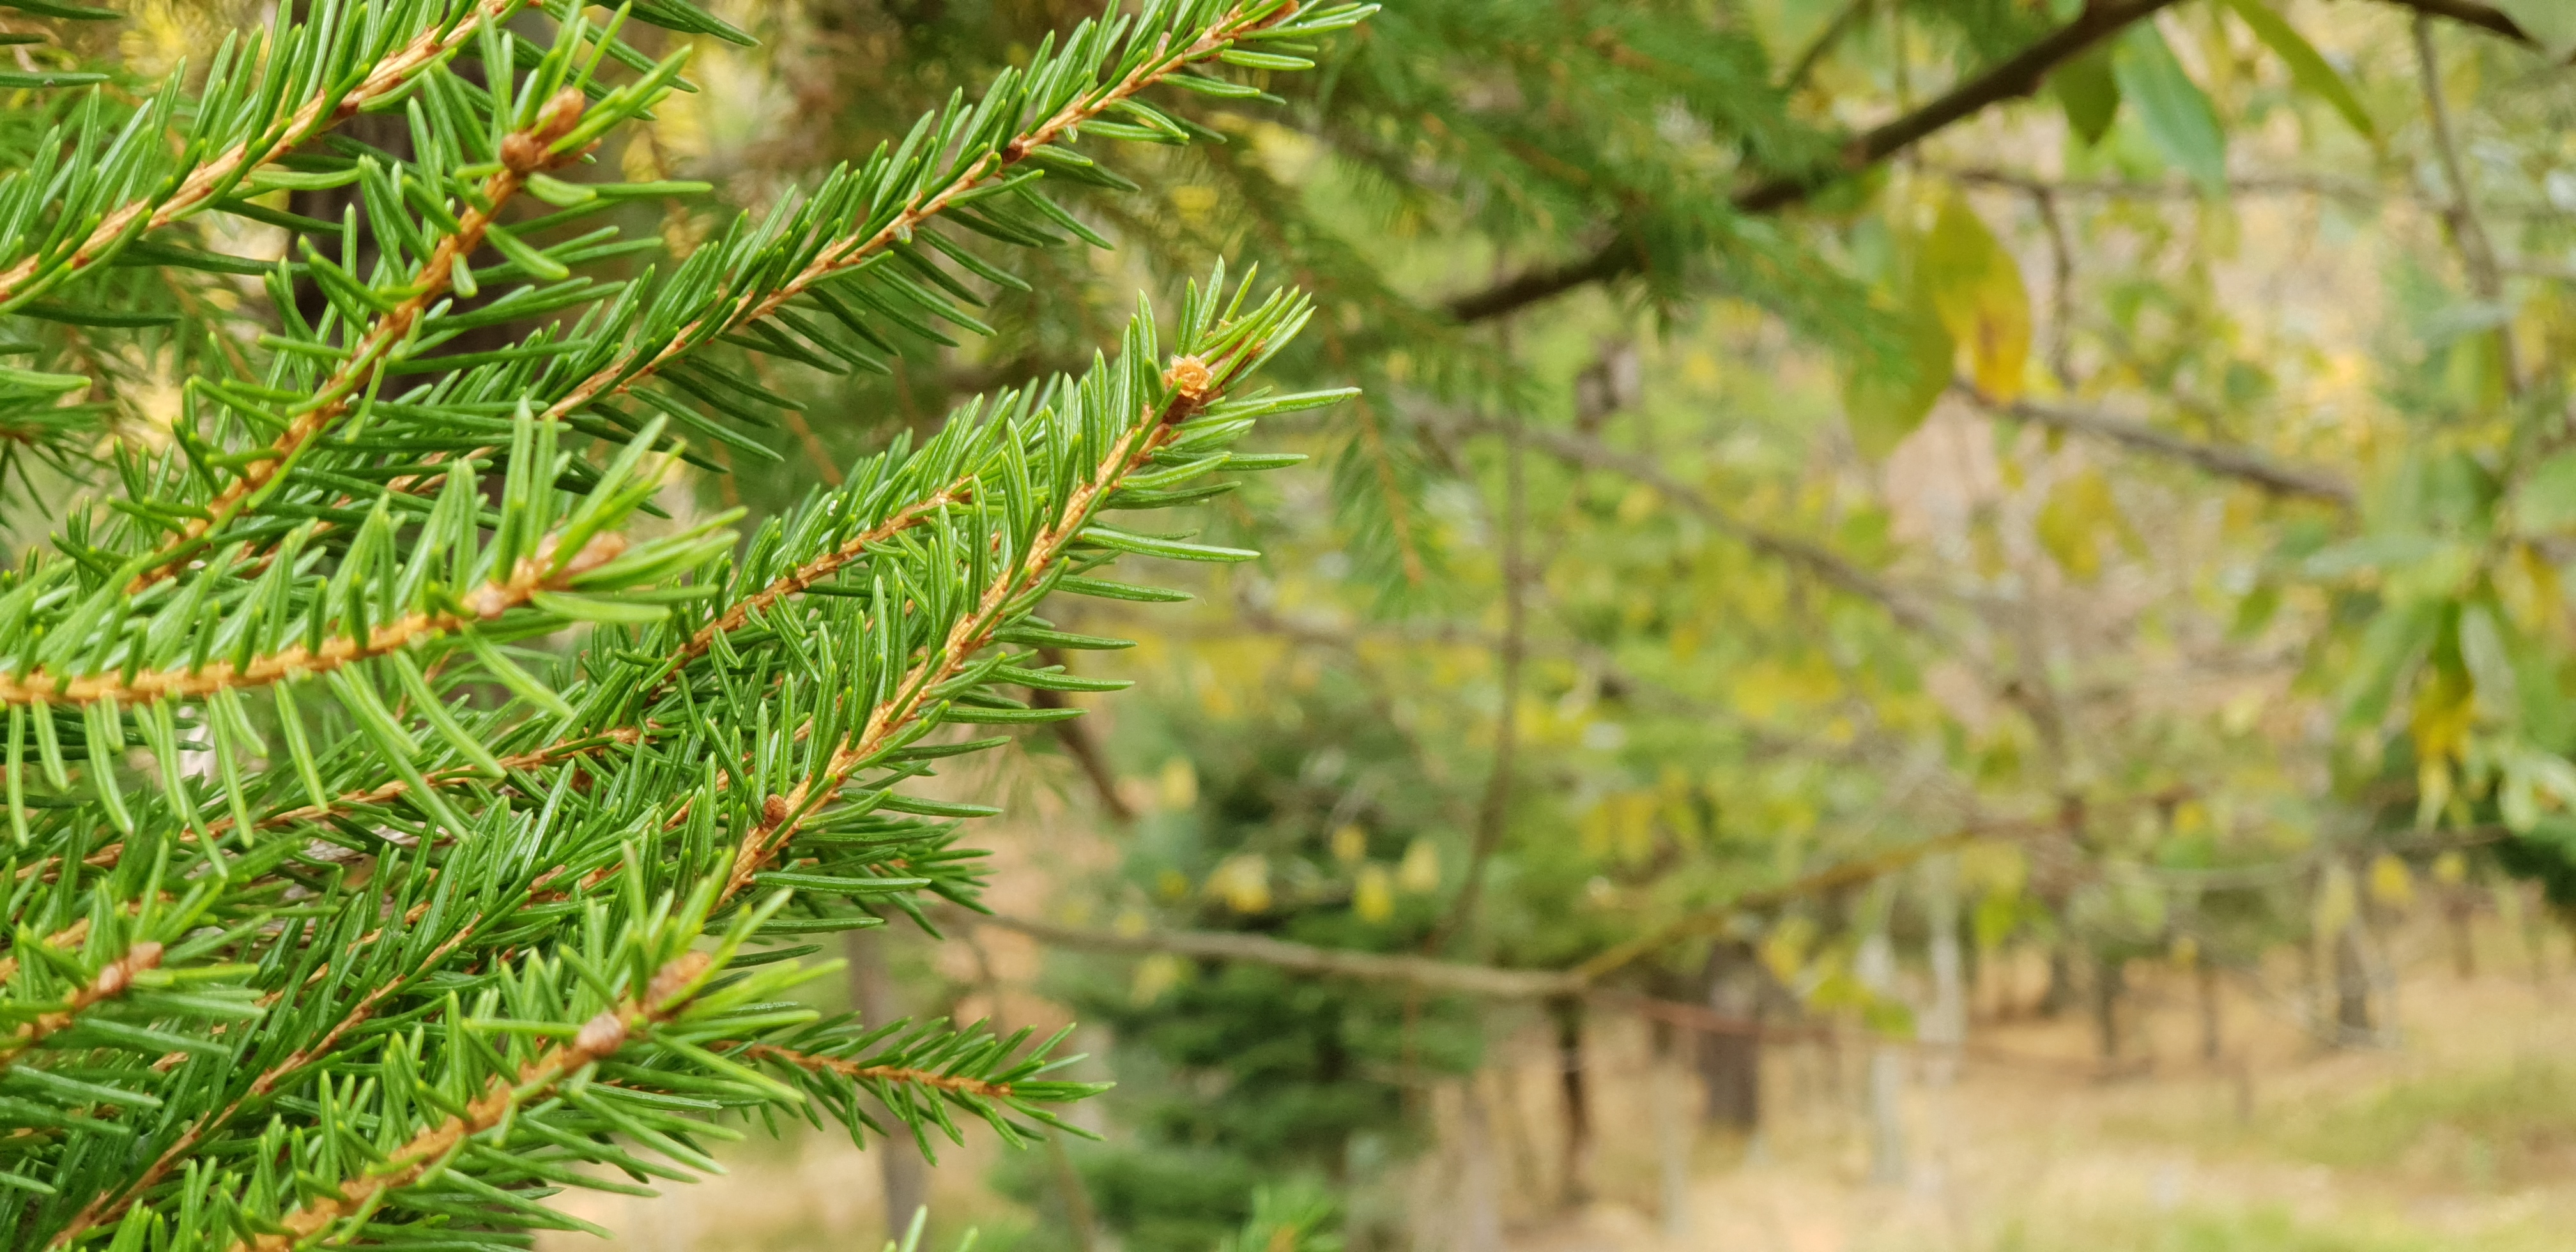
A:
(2485, 17)
(2356, 190)
(2459, 211)
(2019, 76)
(1806, 554)
(1418, 971)
(1078, 743)
(2239, 463)
(1494, 812)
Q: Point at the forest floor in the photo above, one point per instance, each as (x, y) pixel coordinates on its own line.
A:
(2458, 1133)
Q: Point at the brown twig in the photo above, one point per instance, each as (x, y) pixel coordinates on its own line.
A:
(879, 1073)
(2019, 76)
(2243, 464)
(111, 982)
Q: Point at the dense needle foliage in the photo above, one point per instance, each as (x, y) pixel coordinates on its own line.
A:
(405, 805)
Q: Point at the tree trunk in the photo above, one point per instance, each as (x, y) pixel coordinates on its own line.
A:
(1945, 1027)
(2060, 992)
(1877, 970)
(2352, 986)
(1730, 1065)
(2459, 907)
(1575, 1186)
(2109, 981)
(1672, 1137)
(873, 993)
(2205, 978)
(1478, 1226)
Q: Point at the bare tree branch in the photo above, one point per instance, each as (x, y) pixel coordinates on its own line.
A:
(2238, 463)
(1417, 971)
(1806, 554)
(2485, 17)
(2020, 76)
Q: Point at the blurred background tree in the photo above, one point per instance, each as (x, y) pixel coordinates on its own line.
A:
(1833, 480)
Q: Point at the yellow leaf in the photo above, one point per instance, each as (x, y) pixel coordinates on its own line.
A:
(2390, 884)
(1350, 844)
(1883, 402)
(2451, 869)
(1243, 882)
(1155, 975)
(2073, 522)
(1419, 872)
(1373, 896)
(1975, 286)
(1179, 785)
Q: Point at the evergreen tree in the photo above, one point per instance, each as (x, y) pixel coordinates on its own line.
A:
(409, 801)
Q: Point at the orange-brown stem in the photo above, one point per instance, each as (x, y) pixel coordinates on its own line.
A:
(110, 983)
(880, 1073)
(484, 603)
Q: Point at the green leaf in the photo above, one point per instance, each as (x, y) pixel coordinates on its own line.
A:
(2089, 92)
(2392, 645)
(2077, 517)
(55, 8)
(2177, 116)
(33, 380)
(1975, 286)
(2310, 70)
(1173, 549)
(1886, 399)
(2546, 500)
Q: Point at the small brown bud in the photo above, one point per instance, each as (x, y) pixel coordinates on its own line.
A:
(602, 548)
(488, 601)
(522, 152)
(561, 114)
(601, 1035)
(773, 810)
(1191, 377)
(672, 977)
(120, 974)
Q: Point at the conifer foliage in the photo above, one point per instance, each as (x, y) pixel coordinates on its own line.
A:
(404, 810)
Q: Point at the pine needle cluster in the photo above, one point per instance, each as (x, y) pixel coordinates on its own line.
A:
(408, 816)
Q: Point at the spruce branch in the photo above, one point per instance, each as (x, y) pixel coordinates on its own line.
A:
(113, 980)
(986, 171)
(388, 1024)
(523, 153)
(532, 578)
(860, 1072)
(599, 1038)
(441, 29)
